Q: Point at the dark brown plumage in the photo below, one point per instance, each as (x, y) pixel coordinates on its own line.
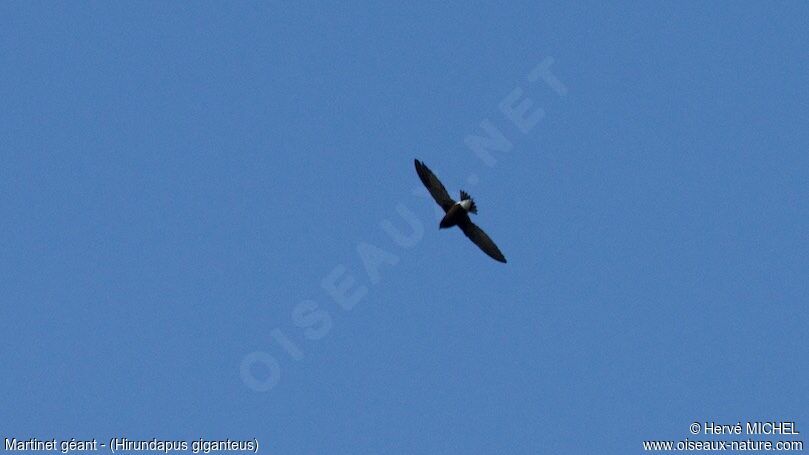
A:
(457, 213)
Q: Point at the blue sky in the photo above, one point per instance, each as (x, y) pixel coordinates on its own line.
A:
(179, 180)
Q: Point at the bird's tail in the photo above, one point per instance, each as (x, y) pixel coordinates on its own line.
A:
(472, 207)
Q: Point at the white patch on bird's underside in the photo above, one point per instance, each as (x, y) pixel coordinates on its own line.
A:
(466, 203)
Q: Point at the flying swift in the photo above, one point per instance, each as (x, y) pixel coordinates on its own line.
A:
(457, 212)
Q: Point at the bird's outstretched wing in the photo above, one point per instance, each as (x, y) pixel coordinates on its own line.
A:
(482, 240)
(434, 185)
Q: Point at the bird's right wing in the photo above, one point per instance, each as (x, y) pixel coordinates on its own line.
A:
(434, 185)
(482, 240)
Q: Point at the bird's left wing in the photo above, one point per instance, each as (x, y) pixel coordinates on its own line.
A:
(434, 185)
(482, 240)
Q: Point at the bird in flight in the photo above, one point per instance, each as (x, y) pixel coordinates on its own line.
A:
(457, 212)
